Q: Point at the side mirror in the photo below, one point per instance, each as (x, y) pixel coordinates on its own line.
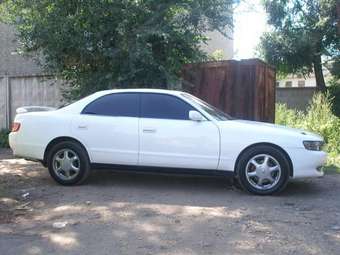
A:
(196, 116)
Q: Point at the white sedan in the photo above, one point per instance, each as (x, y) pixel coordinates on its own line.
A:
(163, 130)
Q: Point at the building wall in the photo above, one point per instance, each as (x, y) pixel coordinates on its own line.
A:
(12, 63)
(294, 80)
(220, 42)
(295, 98)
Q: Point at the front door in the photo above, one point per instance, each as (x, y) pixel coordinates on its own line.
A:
(168, 138)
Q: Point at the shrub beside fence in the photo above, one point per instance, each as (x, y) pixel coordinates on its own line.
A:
(4, 138)
(318, 118)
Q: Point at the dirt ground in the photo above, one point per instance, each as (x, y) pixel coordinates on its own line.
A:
(125, 213)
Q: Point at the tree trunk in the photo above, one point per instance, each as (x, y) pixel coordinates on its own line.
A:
(320, 81)
(338, 16)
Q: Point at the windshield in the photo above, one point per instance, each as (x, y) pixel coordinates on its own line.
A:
(213, 111)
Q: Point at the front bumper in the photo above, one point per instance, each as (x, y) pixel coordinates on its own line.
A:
(307, 163)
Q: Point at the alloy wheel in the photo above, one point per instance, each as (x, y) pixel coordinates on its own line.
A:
(66, 164)
(263, 171)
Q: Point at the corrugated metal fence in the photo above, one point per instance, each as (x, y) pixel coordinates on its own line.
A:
(17, 91)
(245, 89)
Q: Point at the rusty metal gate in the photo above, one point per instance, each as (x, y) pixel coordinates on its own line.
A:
(244, 89)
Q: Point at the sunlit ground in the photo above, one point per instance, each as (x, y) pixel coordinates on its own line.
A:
(125, 213)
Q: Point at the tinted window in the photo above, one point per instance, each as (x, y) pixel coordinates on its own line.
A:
(213, 111)
(164, 107)
(120, 104)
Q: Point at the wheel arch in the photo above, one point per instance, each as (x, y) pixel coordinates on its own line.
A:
(58, 140)
(291, 169)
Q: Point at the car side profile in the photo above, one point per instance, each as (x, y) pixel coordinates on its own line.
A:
(146, 129)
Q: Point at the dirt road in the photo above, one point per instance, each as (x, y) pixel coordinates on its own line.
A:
(117, 213)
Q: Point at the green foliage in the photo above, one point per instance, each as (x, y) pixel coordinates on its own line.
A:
(4, 16)
(4, 138)
(318, 118)
(333, 165)
(302, 32)
(286, 116)
(217, 55)
(100, 44)
(334, 92)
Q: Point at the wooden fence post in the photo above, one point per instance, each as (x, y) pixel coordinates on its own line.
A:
(8, 101)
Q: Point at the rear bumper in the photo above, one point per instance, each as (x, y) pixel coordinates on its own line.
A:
(307, 163)
(25, 150)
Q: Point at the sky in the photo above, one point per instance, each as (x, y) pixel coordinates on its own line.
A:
(250, 22)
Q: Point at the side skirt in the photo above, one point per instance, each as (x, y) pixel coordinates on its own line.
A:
(163, 170)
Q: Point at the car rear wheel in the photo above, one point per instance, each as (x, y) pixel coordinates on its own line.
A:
(68, 163)
(263, 170)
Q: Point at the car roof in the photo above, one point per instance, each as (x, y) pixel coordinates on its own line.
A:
(161, 91)
(77, 106)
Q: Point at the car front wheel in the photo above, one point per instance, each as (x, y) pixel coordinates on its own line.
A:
(68, 163)
(263, 170)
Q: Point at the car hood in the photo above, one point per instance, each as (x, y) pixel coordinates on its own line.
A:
(271, 129)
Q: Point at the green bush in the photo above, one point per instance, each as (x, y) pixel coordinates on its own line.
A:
(334, 92)
(4, 138)
(287, 117)
(318, 118)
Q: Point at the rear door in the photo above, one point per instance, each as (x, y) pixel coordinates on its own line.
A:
(169, 139)
(108, 127)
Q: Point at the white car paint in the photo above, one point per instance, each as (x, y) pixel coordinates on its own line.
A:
(207, 144)
(118, 142)
(179, 143)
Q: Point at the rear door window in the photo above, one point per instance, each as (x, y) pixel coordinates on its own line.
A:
(116, 104)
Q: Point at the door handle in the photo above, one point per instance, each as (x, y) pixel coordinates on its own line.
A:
(149, 130)
(82, 127)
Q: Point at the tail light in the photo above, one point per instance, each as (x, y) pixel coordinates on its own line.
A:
(15, 127)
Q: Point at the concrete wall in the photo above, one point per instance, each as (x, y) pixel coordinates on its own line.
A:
(3, 108)
(297, 98)
(17, 91)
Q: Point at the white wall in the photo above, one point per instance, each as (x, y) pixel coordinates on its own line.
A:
(309, 80)
(220, 42)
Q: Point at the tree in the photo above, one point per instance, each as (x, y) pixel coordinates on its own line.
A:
(304, 35)
(100, 44)
(338, 15)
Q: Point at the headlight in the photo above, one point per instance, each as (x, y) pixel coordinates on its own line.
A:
(313, 145)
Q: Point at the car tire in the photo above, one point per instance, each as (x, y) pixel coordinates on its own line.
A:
(68, 163)
(263, 170)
